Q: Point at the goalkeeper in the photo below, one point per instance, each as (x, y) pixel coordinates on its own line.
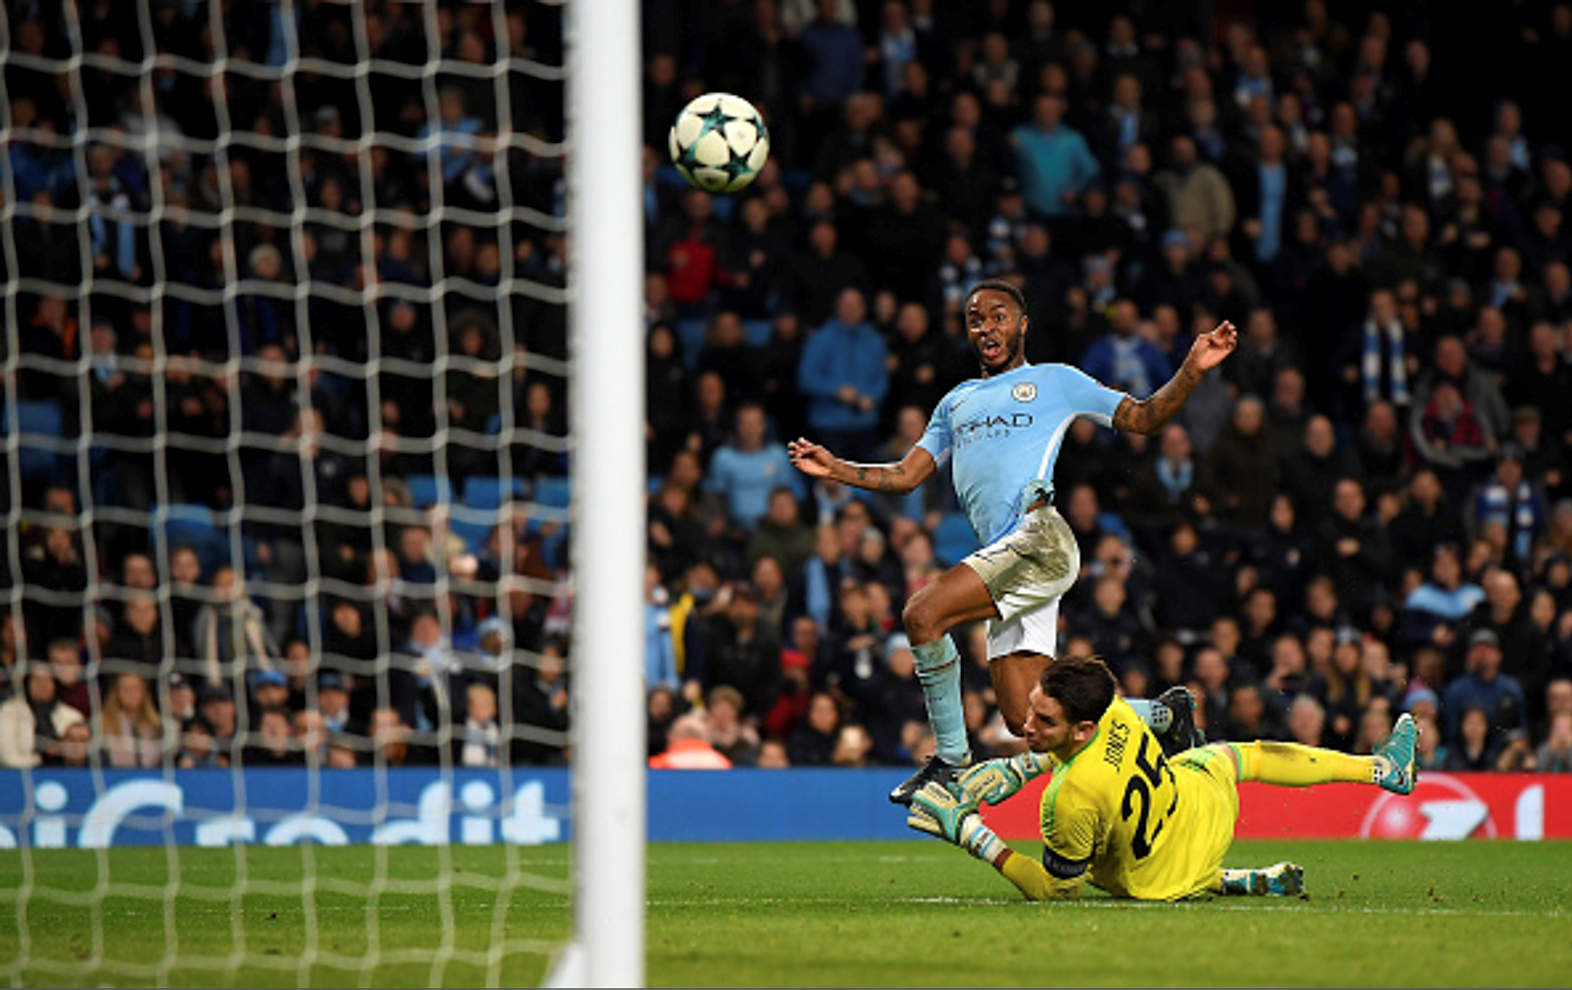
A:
(1121, 815)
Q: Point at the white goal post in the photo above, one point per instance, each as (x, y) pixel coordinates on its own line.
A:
(607, 406)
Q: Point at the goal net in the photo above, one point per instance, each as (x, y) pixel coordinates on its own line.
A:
(292, 659)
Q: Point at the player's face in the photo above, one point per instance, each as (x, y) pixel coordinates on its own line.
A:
(1047, 729)
(997, 329)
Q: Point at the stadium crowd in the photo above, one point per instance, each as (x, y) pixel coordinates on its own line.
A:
(1367, 511)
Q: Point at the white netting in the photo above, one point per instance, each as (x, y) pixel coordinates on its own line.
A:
(284, 302)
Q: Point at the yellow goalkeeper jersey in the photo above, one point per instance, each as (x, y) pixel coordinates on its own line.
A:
(1122, 815)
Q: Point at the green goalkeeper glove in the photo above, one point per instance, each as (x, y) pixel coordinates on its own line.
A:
(994, 781)
(940, 812)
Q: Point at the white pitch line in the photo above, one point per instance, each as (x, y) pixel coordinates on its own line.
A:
(1252, 904)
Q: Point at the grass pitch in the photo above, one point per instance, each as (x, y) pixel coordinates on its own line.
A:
(808, 914)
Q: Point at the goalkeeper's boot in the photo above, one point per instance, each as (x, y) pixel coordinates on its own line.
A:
(1278, 880)
(937, 769)
(1181, 733)
(1394, 759)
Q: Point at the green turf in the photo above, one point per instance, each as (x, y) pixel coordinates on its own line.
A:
(826, 914)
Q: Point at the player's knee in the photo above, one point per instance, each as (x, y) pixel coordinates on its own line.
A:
(923, 622)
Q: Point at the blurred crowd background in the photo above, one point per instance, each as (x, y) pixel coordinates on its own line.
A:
(307, 374)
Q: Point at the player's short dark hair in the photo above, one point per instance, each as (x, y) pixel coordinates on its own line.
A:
(999, 285)
(1084, 686)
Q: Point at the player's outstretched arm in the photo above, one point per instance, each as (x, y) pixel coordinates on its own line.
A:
(899, 477)
(1152, 413)
(949, 815)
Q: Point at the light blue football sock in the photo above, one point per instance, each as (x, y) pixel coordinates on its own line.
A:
(939, 672)
(1154, 713)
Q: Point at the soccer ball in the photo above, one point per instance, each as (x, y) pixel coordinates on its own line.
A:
(719, 143)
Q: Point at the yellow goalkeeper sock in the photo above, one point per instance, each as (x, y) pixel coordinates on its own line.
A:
(1294, 765)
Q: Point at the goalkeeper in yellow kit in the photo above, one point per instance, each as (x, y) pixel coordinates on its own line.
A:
(1120, 815)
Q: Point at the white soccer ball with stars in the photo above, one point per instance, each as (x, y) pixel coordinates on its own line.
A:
(719, 142)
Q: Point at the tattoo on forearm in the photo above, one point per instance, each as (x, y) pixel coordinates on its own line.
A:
(1153, 413)
(879, 477)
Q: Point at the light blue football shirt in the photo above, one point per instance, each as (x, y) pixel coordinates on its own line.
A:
(1002, 435)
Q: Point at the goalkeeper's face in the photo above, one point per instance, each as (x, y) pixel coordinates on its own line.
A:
(1049, 731)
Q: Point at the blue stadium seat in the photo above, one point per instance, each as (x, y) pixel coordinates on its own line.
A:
(474, 529)
(953, 539)
(429, 489)
(485, 491)
(1113, 522)
(690, 334)
(38, 422)
(553, 492)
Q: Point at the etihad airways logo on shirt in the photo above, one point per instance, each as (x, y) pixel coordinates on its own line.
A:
(988, 427)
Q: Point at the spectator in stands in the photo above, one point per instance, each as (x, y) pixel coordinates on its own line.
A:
(1555, 753)
(1284, 554)
(1544, 460)
(1543, 379)
(1249, 716)
(1187, 584)
(1241, 467)
(668, 393)
(1458, 417)
(844, 377)
(196, 749)
(130, 731)
(660, 652)
(480, 744)
(1510, 500)
(1496, 696)
(906, 239)
(1199, 196)
(1475, 745)
(1434, 611)
(818, 274)
(333, 702)
(274, 742)
(1345, 690)
(71, 687)
(745, 471)
(1124, 359)
(138, 643)
(1381, 456)
(231, 634)
(422, 676)
(1311, 473)
(1504, 612)
(780, 533)
(34, 721)
(729, 731)
(1052, 160)
(1112, 624)
(54, 564)
(812, 743)
(1354, 550)
(727, 353)
(389, 735)
(688, 747)
(1427, 520)
(182, 699)
(540, 702)
(348, 641)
